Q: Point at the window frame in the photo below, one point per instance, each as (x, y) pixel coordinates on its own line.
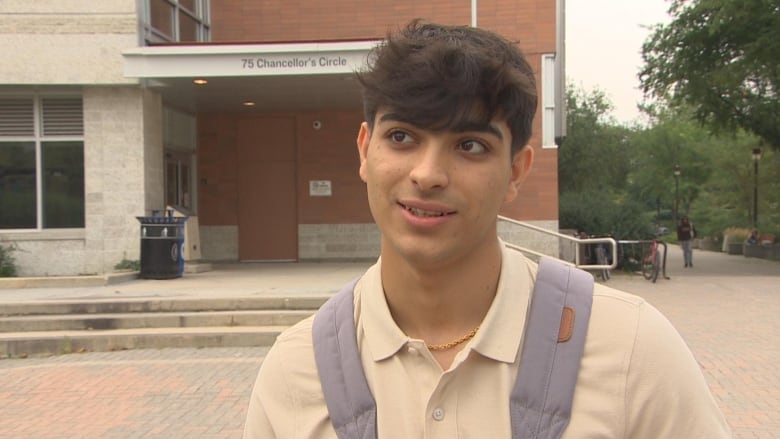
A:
(201, 17)
(39, 138)
(181, 184)
(548, 101)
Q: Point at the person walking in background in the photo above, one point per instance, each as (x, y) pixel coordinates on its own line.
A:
(685, 234)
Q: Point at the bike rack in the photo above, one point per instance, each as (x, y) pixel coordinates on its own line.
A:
(612, 244)
(661, 244)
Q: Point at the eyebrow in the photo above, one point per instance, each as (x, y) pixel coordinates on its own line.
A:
(462, 127)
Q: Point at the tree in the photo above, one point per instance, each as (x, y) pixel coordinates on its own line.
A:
(727, 197)
(674, 140)
(720, 57)
(594, 156)
(593, 165)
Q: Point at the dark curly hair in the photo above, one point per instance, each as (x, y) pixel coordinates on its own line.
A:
(451, 77)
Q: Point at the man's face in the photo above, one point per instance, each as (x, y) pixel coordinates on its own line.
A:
(435, 195)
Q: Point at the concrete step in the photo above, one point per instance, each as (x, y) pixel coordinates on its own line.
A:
(35, 328)
(135, 320)
(67, 281)
(154, 304)
(23, 344)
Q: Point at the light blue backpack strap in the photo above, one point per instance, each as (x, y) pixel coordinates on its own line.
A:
(350, 403)
(541, 400)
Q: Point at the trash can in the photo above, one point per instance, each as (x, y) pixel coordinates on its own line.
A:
(162, 240)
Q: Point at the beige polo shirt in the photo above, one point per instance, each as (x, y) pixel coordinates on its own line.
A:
(637, 378)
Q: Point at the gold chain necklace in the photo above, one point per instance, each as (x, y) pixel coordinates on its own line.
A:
(452, 344)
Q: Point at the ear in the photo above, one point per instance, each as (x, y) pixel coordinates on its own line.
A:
(521, 166)
(363, 138)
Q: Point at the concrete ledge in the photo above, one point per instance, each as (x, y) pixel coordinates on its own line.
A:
(147, 305)
(197, 267)
(66, 342)
(67, 281)
(203, 319)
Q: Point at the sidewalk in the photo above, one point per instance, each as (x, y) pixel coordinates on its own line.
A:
(725, 307)
(225, 280)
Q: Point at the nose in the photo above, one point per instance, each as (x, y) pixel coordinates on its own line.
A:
(430, 170)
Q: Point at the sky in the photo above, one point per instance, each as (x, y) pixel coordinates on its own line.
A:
(603, 45)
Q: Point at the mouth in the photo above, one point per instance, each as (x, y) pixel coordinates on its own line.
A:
(425, 213)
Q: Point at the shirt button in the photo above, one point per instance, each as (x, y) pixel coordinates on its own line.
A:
(438, 414)
(412, 350)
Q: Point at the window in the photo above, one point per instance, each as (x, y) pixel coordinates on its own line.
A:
(178, 181)
(179, 139)
(175, 21)
(548, 101)
(41, 162)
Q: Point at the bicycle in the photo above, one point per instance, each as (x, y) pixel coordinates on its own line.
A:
(651, 261)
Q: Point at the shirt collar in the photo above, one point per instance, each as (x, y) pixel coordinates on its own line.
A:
(501, 331)
(499, 335)
(383, 337)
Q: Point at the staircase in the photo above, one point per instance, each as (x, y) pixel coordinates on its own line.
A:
(100, 325)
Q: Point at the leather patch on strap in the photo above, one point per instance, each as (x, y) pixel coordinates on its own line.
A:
(567, 325)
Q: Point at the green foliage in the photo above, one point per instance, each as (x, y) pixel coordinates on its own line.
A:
(673, 141)
(621, 180)
(596, 213)
(720, 58)
(593, 141)
(7, 262)
(127, 264)
(636, 179)
(727, 196)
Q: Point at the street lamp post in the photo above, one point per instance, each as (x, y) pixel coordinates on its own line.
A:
(756, 158)
(676, 192)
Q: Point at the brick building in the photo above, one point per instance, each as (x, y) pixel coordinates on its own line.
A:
(241, 114)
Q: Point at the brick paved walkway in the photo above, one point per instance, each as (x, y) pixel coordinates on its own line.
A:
(726, 308)
(171, 393)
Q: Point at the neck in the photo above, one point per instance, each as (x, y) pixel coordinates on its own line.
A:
(440, 304)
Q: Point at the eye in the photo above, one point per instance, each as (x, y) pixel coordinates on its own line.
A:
(401, 137)
(472, 147)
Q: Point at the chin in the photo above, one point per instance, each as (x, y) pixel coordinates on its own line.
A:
(423, 255)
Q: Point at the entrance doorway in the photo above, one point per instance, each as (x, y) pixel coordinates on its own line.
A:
(267, 207)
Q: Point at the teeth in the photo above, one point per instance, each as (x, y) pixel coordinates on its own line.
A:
(423, 213)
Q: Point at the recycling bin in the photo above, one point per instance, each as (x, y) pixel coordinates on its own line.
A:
(162, 240)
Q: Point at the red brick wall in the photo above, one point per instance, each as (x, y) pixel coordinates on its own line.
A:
(532, 24)
(329, 154)
(301, 20)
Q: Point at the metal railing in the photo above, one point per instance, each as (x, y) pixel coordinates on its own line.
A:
(578, 241)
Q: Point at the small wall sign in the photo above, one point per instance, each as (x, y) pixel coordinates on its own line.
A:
(320, 188)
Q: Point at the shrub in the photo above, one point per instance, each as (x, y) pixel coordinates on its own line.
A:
(126, 264)
(596, 213)
(736, 234)
(7, 262)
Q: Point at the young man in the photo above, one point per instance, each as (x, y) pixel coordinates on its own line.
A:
(440, 318)
(685, 234)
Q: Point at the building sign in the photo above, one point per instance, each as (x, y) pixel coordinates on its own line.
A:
(320, 188)
(264, 62)
(245, 60)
